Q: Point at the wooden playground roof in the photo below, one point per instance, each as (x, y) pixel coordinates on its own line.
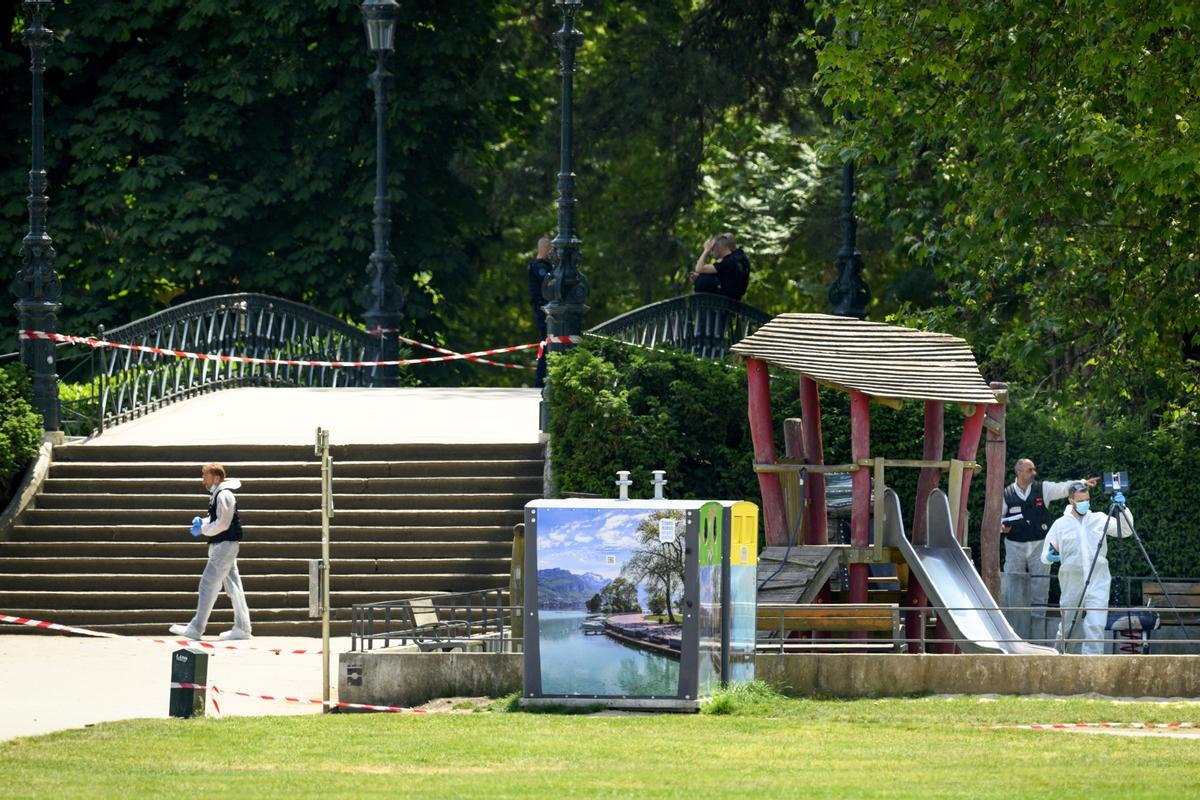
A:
(884, 361)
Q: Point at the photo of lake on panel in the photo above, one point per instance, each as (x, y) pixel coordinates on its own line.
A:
(610, 589)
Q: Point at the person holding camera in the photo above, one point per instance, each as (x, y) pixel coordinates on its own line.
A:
(1025, 582)
(537, 270)
(222, 529)
(722, 268)
(1077, 543)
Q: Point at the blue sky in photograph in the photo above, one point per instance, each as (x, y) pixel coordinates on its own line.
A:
(587, 539)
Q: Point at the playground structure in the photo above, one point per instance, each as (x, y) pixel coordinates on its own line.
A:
(890, 365)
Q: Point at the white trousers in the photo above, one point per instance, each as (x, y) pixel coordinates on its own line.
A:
(221, 570)
(1024, 583)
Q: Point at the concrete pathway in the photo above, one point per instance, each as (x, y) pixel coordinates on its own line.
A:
(51, 683)
(352, 416)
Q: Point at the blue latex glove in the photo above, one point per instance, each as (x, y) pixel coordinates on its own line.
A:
(1053, 556)
(196, 523)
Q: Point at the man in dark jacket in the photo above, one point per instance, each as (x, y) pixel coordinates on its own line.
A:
(538, 269)
(722, 268)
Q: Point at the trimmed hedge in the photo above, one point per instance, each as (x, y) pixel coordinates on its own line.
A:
(20, 427)
(614, 407)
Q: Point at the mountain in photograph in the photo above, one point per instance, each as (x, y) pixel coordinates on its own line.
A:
(561, 588)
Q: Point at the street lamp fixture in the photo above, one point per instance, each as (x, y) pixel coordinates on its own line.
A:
(566, 289)
(849, 293)
(383, 298)
(37, 285)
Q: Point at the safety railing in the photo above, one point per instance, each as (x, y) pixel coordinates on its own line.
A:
(479, 621)
(705, 325)
(885, 627)
(107, 386)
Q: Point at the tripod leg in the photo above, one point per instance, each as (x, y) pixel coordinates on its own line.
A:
(1079, 612)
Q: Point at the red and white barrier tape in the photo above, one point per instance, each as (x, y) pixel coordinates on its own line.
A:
(301, 700)
(557, 340)
(91, 341)
(437, 349)
(53, 626)
(1079, 725)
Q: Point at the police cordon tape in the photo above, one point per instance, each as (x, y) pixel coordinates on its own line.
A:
(93, 342)
(1059, 726)
(54, 626)
(303, 701)
(541, 346)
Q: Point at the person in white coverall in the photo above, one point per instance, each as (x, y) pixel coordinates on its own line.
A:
(1072, 542)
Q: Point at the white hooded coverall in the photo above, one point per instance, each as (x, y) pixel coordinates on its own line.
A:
(1076, 541)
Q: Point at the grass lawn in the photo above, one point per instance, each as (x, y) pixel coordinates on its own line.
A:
(761, 745)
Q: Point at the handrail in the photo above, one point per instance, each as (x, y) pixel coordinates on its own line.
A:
(703, 324)
(128, 383)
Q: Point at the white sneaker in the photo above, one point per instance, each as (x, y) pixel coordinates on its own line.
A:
(185, 632)
(234, 634)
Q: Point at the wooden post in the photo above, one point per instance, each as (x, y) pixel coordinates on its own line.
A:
(759, 410)
(817, 526)
(793, 494)
(993, 503)
(967, 448)
(860, 483)
(915, 597)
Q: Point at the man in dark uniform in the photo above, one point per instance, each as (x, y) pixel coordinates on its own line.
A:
(722, 268)
(538, 268)
(1026, 520)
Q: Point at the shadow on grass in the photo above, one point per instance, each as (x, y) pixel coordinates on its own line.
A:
(512, 704)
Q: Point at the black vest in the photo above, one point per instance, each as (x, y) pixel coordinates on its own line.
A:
(231, 534)
(1028, 519)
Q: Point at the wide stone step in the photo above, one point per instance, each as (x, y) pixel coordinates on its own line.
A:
(51, 600)
(178, 533)
(257, 549)
(155, 622)
(338, 581)
(108, 565)
(101, 517)
(264, 503)
(223, 453)
(256, 470)
(531, 486)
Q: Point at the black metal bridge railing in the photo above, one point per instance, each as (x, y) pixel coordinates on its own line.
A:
(705, 325)
(104, 386)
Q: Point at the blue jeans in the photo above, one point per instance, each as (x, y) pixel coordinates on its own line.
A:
(221, 570)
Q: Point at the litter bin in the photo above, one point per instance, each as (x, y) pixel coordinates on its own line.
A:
(188, 666)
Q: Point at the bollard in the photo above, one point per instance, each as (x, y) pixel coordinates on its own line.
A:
(188, 665)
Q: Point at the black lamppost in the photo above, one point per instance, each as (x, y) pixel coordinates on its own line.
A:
(383, 298)
(566, 289)
(37, 286)
(849, 293)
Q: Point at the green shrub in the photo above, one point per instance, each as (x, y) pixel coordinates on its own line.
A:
(614, 407)
(20, 426)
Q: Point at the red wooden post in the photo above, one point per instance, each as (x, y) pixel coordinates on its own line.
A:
(967, 448)
(993, 504)
(817, 526)
(915, 598)
(860, 484)
(762, 434)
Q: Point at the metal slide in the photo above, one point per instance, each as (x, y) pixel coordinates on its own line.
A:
(954, 587)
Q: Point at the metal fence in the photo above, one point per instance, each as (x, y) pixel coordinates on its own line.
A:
(481, 621)
(103, 387)
(705, 325)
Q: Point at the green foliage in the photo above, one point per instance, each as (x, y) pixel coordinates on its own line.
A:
(20, 426)
(619, 596)
(1042, 159)
(614, 407)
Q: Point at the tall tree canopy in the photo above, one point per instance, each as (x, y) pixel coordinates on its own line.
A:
(1043, 159)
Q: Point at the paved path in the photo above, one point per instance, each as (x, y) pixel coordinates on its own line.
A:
(51, 683)
(353, 416)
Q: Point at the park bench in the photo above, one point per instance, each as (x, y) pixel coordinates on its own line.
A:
(1185, 595)
(777, 621)
(428, 628)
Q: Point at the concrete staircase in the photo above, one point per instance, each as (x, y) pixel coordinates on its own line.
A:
(106, 545)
